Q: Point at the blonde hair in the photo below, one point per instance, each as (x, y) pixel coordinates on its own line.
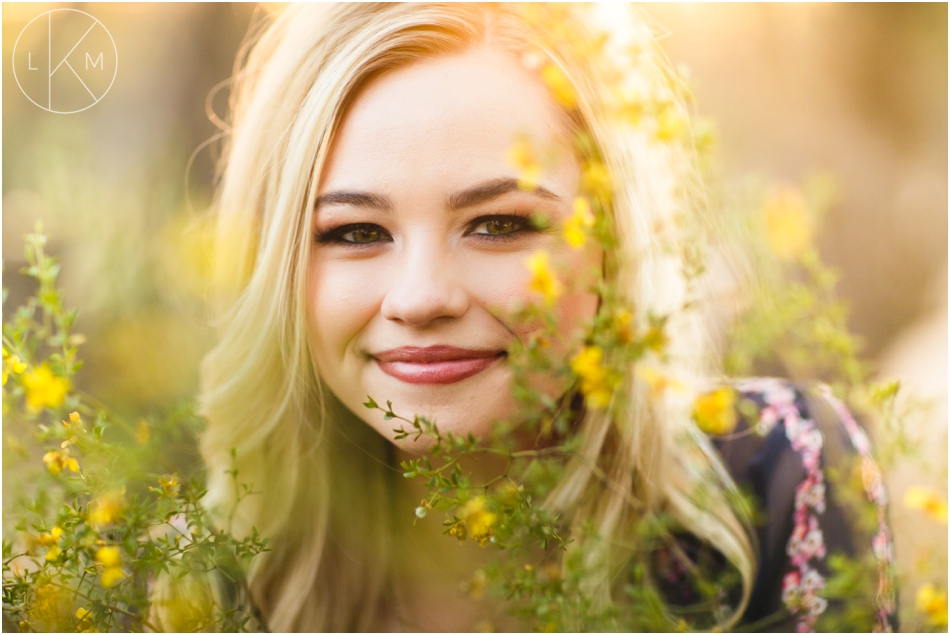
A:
(263, 397)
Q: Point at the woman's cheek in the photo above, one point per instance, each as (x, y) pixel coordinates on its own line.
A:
(344, 297)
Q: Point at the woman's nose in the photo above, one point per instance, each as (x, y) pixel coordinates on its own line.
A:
(424, 288)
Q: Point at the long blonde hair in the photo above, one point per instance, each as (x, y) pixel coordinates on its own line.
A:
(262, 395)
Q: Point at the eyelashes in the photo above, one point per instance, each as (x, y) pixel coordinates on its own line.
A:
(492, 229)
(358, 234)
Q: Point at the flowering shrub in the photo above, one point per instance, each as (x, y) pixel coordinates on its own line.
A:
(98, 521)
(105, 522)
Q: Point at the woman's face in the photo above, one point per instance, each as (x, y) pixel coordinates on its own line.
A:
(421, 234)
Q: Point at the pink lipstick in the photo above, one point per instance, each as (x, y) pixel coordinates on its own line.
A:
(435, 364)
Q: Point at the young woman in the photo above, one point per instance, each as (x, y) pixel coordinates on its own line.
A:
(390, 168)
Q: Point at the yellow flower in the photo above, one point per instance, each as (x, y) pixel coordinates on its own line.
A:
(11, 363)
(543, 281)
(579, 223)
(50, 606)
(170, 485)
(74, 424)
(597, 382)
(106, 509)
(595, 179)
(458, 530)
(522, 157)
(44, 389)
(84, 616)
(715, 412)
(111, 560)
(53, 553)
(557, 81)
(50, 538)
(59, 460)
(933, 602)
(623, 325)
(629, 105)
(478, 520)
(655, 338)
(110, 576)
(657, 381)
(670, 125)
(787, 223)
(109, 556)
(927, 501)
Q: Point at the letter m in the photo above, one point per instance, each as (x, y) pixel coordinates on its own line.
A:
(95, 63)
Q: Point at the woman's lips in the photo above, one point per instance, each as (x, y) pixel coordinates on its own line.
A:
(435, 364)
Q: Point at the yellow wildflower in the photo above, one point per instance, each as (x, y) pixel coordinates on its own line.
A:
(170, 485)
(458, 530)
(59, 460)
(50, 538)
(53, 553)
(44, 389)
(657, 381)
(932, 602)
(109, 556)
(623, 325)
(670, 125)
(50, 606)
(715, 412)
(655, 338)
(522, 157)
(560, 86)
(579, 223)
(106, 509)
(74, 424)
(597, 382)
(927, 501)
(629, 105)
(84, 616)
(110, 576)
(543, 281)
(111, 560)
(478, 520)
(787, 223)
(11, 363)
(595, 179)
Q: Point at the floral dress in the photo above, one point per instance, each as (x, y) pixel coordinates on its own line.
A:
(807, 465)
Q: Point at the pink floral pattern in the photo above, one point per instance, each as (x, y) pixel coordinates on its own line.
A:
(883, 542)
(802, 585)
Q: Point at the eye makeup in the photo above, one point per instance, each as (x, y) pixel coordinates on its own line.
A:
(494, 228)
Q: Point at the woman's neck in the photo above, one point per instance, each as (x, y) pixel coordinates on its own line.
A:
(439, 580)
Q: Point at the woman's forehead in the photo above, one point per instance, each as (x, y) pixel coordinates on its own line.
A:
(446, 115)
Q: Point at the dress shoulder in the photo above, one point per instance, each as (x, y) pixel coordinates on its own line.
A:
(796, 450)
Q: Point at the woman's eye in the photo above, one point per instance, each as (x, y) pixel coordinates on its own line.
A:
(499, 226)
(361, 234)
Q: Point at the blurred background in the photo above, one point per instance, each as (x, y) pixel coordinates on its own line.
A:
(855, 90)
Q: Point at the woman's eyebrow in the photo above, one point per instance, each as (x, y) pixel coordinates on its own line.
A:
(466, 198)
(356, 199)
(493, 189)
